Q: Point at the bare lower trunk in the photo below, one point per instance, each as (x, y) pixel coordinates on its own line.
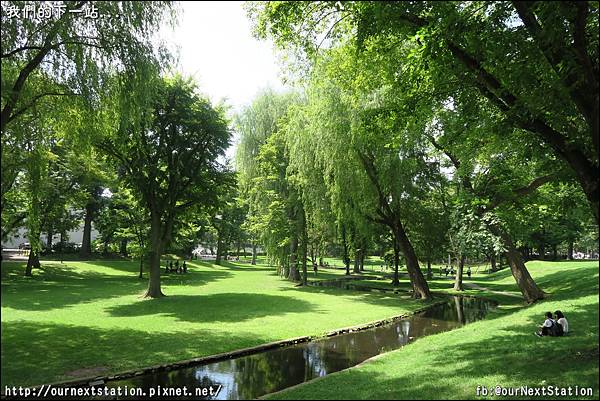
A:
(357, 262)
(32, 262)
(219, 249)
(396, 279)
(253, 253)
(141, 266)
(156, 247)
(49, 239)
(346, 255)
(86, 242)
(429, 271)
(419, 284)
(493, 263)
(294, 274)
(458, 284)
(570, 251)
(531, 292)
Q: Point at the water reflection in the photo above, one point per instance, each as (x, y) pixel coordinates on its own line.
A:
(251, 376)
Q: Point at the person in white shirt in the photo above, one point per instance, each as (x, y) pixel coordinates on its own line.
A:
(562, 320)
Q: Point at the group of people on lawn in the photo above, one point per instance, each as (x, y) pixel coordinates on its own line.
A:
(554, 327)
(169, 268)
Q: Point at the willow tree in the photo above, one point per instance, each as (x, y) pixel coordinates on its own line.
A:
(60, 61)
(171, 159)
(535, 62)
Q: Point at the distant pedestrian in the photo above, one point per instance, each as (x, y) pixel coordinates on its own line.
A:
(469, 271)
(184, 267)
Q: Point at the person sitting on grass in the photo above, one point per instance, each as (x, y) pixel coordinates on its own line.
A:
(561, 320)
(548, 328)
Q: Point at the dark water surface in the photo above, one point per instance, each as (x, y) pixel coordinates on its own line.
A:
(252, 376)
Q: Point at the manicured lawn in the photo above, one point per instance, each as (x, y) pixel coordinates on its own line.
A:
(500, 350)
(87, 318)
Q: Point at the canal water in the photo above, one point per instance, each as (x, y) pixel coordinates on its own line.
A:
(251, 376)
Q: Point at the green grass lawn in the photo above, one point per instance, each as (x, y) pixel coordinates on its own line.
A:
(87, 318)
(500, 350)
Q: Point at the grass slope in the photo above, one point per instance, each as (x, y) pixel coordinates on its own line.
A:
(500, 350)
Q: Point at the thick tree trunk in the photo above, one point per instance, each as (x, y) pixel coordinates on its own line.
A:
(458, 280)
(493, 262)
(531, 292)
(86, 242)
(419, 284)
(156, 248)
(253, 253)
(570, 251)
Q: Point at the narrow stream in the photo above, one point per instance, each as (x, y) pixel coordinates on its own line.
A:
(252, 376)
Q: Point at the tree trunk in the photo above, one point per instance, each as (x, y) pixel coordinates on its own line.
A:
(219, 248)
(156, 248)
(419, 284)
(396, 279)
(363, 254)
(493, 262)
(293, 274)
(237, 252)
(49, 239)
(33, 261)
(554, 252)
(123, 247)
(86, 242)
(253, 253)
(458, 285)
(531, 292)
(141, 266)
(346, 255)
(304, 245)
(570, 251)
(356, 261)
(542, 251)
(429, 271)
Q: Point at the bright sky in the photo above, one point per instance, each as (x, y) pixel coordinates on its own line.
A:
(217, 48)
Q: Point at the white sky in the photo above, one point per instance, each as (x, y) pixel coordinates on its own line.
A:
(217, 48)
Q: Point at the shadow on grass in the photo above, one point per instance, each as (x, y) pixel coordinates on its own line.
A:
(225, 307)
(236, 266)
(57, 286)
(453, 367)
(36, 353)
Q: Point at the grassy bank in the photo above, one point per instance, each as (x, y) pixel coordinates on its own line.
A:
(500, 350)
(87, 318)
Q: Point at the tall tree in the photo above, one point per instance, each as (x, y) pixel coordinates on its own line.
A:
(171, 159)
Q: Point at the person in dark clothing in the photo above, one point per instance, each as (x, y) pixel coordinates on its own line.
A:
(184, 267)
(547, 326)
